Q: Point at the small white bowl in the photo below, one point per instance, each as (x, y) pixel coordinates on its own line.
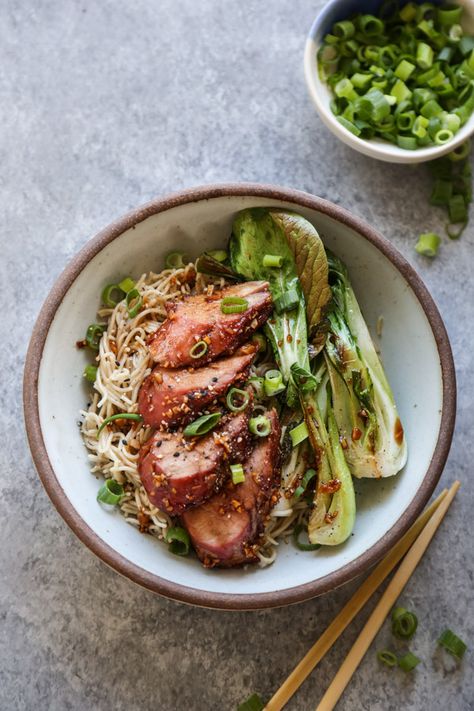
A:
(415, 350)
(321, 95)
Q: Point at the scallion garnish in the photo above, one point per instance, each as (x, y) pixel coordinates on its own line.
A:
(298, 434)
(452, 643)
(202, 425)
(309, 474)
(257, 384)
(237, 473)
(260, 426)
(297, 531)
(199, 350)
(288, 301)
(175, 260)
(408, 662)
(253, 703)
(109, 292)
(90, 373)
(134, 302)
(178, 540)
(94, 334)
(404, 623)
(304, 380)
(119, 416)
(110, 493)
(272, 260)
(237, 400)
(428, 244)
(234, 305)
(126, 285)
(273, 383)
(220, 255)
(387, 657)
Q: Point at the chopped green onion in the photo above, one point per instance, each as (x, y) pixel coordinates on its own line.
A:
(466, 45)
(234, 305)
(272, 260)
(202, 425)
(94, 334)
(344, 29)
(349, 125)
(408, 662)
(443, 137)
(253, 703)
(370, 25)
(387, 657)
(404, 623)
(199, 350)
(260, 426)
(424, 55)
(220, 255)
(455, 232)
(298, 434)
(298, 530)
(408, 12)
(90, 373)
(404, 70)
(257, 384)
(237, 400)
(134, 302)
(442, 192)
(448, 16)
(299, 491)
(178, 540)
(110, 493)
(107, 295)
(452, 643)
(304, 380)
(237, 473)
(457, 209)
(407, 142)
(431, 108)
(126, 285)
(273, 383)
(119, 416)
(400, 91)
(175, 260)
(288, 301)
(428, 244)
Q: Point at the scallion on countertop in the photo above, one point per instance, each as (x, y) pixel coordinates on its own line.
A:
(452, 643)
(253, 703)
(428, 244)
(404, 623)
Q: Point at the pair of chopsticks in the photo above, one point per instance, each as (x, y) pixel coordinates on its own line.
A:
(414, 543)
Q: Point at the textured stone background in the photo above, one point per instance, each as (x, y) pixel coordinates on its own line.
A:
(107, 104)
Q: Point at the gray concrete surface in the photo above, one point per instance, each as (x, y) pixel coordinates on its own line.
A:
(107, 104)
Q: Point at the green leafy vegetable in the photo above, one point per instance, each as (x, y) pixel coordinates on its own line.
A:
(363, 402)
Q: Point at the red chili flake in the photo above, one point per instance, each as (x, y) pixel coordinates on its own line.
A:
(81, 344)
(329, 518)
(329, 487)
(143, 521)
(356, 434)
(343, 442)
(289, 338)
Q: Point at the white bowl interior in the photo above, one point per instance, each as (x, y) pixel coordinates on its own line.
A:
(321, 94)
(408, 348)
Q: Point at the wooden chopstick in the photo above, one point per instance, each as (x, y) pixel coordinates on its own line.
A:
(384, 605)
(350, 610)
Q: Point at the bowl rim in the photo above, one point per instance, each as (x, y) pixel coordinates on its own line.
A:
(169, 589)
(374, 149)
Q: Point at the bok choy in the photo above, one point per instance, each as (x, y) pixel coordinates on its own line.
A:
(258, 233)
(363, 402)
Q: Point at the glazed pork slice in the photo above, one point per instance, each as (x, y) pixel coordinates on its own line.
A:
(225, 530)
(171, 397)
(200, 318)
(179, 472)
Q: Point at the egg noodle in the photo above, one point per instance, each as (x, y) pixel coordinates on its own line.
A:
(123, 362)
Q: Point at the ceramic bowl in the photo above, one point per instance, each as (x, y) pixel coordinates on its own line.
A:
(415, 351)
(321, 95)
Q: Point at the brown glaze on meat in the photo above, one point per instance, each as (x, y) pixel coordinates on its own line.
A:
(225, 530)
(171, 397)
(199, 318)
(179, 472)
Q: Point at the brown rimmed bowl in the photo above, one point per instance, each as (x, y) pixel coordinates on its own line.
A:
(415, 350)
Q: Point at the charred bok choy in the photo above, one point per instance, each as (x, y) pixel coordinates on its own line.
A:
(363, 402)
(285, 249)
